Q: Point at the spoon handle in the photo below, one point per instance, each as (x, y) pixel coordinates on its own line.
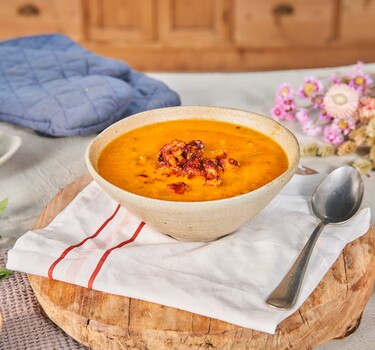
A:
(285, 294)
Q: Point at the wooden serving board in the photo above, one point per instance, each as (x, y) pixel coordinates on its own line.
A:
(105, 321)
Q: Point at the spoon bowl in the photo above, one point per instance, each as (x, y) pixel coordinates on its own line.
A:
(338, 196)
(336, 199)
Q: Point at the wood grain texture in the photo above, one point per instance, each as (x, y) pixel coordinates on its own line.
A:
(105, 321)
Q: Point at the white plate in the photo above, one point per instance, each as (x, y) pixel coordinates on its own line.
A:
(9, 144)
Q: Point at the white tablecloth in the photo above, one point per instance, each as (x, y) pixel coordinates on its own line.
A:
(44, 165)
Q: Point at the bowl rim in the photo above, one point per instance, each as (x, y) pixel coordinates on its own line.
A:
(169, 204)
(13, 143)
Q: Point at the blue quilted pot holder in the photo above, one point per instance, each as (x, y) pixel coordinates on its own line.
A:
(54, 86)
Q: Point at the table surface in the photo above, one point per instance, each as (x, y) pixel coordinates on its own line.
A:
(44, 165)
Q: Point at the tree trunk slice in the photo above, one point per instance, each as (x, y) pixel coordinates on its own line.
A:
(106, 321)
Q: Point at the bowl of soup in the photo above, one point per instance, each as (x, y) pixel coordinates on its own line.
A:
(196, 173)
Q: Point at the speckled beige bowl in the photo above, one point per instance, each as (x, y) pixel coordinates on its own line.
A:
(196, 221)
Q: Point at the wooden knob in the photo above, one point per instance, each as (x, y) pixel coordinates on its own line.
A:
(283, 10)
(28, 10)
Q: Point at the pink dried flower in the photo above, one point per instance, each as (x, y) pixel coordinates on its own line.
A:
(324, 115)
(289, 104)
(344, 125)
(359, 67)
(285, 91)
(278, 112)
(285, 103)
(341, 101)
(310, 88)
(358, 79)
(311, 129)
(289, 117)
(367, 103)
(318, 101)
(335, 79)
(302, 116)
(360, 83)
(333, 135)
(366, 109)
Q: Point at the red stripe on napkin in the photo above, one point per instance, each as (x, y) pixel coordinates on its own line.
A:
(67, 250)
(106, 254)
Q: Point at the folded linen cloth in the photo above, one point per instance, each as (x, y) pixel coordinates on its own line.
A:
(96, 243)
(52, 85)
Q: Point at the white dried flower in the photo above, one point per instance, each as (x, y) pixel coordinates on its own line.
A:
(341, 101)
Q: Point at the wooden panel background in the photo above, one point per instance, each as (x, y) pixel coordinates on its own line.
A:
(20, 17)
(193, 23)
(123, 21)
(272, 23)
(357, 25)
(206, 35)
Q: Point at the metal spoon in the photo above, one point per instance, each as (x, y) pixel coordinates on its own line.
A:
(336, 199)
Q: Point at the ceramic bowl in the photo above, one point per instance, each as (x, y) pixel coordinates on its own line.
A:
(9, 144)
(205, 220)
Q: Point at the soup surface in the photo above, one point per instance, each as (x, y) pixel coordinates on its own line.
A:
(132, 160)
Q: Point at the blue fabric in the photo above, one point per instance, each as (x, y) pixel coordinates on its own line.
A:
(52, 85)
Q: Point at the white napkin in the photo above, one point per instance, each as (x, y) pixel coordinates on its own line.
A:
(95, 243)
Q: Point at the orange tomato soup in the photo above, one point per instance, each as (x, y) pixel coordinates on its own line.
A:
(131, 160)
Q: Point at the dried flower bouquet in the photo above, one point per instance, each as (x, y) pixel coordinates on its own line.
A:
(343, 113)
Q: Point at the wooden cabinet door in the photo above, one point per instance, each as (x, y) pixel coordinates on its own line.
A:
(124, 21)
(194, 23)
(357, 22)
(277, 23)
(20, 17)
